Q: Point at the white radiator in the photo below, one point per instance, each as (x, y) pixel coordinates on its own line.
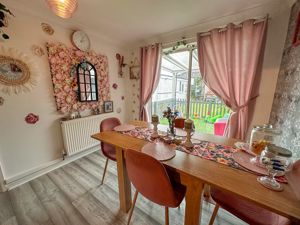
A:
(77, 133)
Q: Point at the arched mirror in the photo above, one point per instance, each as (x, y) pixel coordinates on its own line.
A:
(87, 82)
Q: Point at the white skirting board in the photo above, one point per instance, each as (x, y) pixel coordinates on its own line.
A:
(22, 178)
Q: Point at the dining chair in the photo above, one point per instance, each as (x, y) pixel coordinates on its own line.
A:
(150, 178)
(179, 123)
(108, 150)
(250, 212)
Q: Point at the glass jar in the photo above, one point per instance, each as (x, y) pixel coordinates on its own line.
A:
(261, 136)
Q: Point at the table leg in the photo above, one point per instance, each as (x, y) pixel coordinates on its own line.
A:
(193, 200)
(123, 182)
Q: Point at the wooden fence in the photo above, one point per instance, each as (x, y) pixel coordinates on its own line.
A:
(198, 109)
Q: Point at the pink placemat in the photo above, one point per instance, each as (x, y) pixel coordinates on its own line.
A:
(243, 159)
(159, 151)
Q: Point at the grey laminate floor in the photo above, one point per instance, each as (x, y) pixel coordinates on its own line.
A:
(72, 195)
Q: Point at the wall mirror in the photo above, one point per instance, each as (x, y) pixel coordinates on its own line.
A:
(13, 71)
(87, 82)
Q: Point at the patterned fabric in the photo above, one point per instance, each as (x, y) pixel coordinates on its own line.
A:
(206, 150)
(214, 152)
(140, 133)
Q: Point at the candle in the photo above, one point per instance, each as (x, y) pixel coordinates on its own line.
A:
(155, 118)
(188, 124)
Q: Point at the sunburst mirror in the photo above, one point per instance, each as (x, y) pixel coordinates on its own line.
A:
(15, 74)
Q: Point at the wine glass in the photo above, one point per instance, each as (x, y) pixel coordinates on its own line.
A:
(275, 167)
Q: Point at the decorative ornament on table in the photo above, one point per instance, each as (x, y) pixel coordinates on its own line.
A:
(1, 100)
(115, 86)
(31, 118)
(37, 50)
(47, 28)
(189, 128)
(17, 73)
(121, 64)
(4, 17)
(155, 122)
(171, 116)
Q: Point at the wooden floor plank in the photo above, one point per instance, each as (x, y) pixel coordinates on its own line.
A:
(73, 195)
(7, 215)
(27, 207)
(69, 186)
(95, 212)
(59, 208)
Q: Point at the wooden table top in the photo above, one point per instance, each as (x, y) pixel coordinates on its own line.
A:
(236, 181)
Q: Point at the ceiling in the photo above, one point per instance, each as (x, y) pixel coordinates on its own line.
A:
(135, 20)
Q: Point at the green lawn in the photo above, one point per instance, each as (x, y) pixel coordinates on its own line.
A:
(200, 125)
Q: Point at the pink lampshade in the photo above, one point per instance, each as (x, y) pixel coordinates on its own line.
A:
(63, 8)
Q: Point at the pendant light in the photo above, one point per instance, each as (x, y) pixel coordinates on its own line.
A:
(63, 8)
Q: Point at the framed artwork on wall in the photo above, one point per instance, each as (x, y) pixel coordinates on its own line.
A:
(108, 106)
(296, 37)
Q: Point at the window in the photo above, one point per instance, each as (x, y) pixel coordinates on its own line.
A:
(87, 82)
(181, 87)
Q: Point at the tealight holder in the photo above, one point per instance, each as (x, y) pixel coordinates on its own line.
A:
(155, 122)
(188, 127)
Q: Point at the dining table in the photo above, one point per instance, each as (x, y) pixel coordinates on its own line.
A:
(195, 172)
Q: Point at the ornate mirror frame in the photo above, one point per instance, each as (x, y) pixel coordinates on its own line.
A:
(15, 73)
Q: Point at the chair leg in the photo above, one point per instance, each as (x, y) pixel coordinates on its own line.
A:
(213, 216)
(167, 215)
(104, 172)
(132, 207)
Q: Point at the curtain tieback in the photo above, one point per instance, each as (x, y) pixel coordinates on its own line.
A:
(245, 105)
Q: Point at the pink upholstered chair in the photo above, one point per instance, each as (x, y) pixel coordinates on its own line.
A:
(150, 178)
(108, 150)
(250, 212)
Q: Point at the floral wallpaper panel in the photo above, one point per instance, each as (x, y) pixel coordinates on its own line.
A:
(62, 61)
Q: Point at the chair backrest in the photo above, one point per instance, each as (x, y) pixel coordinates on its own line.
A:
(179, 123)
(108, 125)
(150, 178)
(293, 178)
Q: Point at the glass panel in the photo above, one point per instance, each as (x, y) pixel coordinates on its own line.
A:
(205, 108)
(81, 79)
(87, 79)
(94, 96)
(93, 88)
(92, 72)
(83, 97)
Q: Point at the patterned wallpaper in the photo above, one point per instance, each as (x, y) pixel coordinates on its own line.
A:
(286, 105)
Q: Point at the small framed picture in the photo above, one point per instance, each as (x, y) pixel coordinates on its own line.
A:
(134, 72)
(296, 37)
(108, 106)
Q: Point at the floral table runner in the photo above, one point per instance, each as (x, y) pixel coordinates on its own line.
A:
(207, 150)
(204, 149)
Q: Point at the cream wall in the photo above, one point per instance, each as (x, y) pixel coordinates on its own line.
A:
(279, 12)
(24, 147)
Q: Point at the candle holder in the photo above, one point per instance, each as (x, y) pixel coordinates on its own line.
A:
(155, 122)
(188, 127)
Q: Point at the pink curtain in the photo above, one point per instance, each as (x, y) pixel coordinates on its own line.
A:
(230, 62)
(150, 68)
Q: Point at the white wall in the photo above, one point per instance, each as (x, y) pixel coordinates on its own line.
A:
(279, 12)
(24, 147)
